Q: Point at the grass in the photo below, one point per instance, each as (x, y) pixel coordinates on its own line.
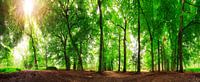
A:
(192, 69)
(9, 70)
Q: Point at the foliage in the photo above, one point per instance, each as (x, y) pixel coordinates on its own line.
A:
(9, 70)
(192, 70)
(65, 33)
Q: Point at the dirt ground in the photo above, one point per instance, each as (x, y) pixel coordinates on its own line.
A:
(108, 76)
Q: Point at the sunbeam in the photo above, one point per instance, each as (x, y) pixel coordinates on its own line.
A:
(28, 7)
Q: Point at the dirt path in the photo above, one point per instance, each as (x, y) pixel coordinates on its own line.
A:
(75, 76)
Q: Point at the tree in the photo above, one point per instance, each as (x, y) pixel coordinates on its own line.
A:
(180, 35)
(101, 37)
(138, 63)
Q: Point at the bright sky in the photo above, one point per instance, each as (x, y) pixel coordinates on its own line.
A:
(28, 7)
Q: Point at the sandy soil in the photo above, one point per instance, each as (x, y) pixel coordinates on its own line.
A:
(108, 76)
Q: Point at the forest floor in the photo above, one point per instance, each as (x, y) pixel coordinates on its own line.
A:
(86, 76)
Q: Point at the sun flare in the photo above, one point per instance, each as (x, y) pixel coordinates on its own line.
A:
(28, 7)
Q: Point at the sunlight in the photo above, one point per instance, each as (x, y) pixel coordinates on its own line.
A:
(21, 50)
(28, 7)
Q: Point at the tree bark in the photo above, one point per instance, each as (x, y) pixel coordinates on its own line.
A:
(177, 62)
(34, 52)
(75, 63)
(138, 67)
(124, 70)
(80, 54)
(67, 59)
(162, 58)
(101, 38)
(152, 55)
(158, 56)
(119, 52)
(180, 35)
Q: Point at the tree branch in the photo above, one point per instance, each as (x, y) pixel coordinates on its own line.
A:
(194, 5)
(7, 47)
(191, 23)
(60, 37)
(117, 25)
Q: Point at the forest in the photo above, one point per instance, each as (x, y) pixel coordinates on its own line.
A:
(99, 40)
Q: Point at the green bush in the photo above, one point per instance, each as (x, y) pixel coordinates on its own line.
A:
(192, 69)
(51, 68)
(9, 70)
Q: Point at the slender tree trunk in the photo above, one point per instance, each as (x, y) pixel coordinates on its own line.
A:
(152, 55)
(46, 58)
(173, 60)
(34, 51)
(119, 52)
(124, 70)
(180, 35)
(75, 63)
(158, 56)
(151, 39)
(101, 38)
(80, 64)
(162, 58)
(168, 64)
(138, 68)
(67, 59)
(112, 64)
(177, 62)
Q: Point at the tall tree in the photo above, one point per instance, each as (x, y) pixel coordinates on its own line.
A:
(180, 35)
(138, 63)
(101, 37)
(119, 51)
(67, 14)
(125, 26)
(158, 56)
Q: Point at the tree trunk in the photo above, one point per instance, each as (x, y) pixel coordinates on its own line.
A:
(138, 68)
(101, 38)
(158, 56)
(80, 64)
(180, 35)
(119, 52)
(34, 51)
(152, 55)
(46, 58)
(124, 70)
(162, 58)
(173, 59)
(67, 59)
(74, 63)
(177, 62)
